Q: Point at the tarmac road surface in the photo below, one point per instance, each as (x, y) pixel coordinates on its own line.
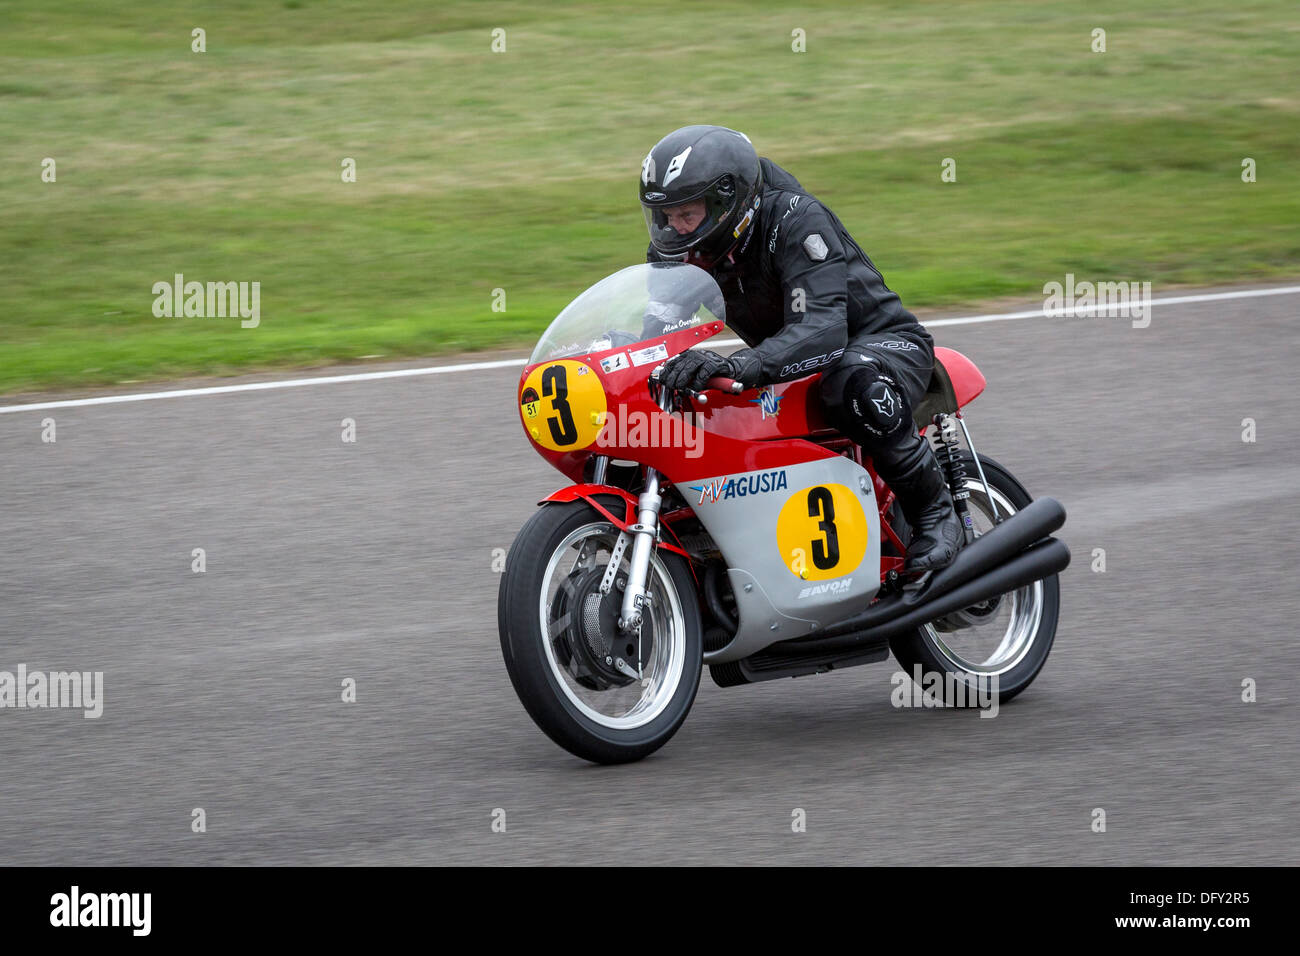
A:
(373, 561)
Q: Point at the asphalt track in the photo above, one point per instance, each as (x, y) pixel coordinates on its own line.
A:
(373, 561)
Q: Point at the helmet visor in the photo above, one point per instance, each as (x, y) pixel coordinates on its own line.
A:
(676, 229)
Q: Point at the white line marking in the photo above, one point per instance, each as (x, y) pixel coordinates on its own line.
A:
(257, 386)
(1086, 312)
(507, 363)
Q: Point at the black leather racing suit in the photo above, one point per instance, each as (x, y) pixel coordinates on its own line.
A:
(805, 297)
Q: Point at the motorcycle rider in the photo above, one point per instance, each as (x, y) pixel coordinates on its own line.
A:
(805, 298)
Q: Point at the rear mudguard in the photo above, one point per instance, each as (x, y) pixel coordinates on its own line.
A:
(967, 380)
(588, 494)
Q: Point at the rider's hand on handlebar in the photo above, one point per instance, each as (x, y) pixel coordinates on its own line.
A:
(691, 370)
(701, 369)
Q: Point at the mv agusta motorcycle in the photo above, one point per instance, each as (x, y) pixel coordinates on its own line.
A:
(735, 529)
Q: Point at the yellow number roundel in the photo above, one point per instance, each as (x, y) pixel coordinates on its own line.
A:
(822, 532)
(562, 405)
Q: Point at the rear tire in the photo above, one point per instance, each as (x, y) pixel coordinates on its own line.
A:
(1032, 612)
(540, 664)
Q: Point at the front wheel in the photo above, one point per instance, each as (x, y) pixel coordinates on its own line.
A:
(1007, 639)
(603, 695)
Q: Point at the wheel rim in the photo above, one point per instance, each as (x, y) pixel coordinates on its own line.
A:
(1001, 642)
(643, 699)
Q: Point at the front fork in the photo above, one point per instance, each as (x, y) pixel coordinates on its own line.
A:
(644, 535)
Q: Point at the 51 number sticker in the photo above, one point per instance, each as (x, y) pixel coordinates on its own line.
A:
(822, 532)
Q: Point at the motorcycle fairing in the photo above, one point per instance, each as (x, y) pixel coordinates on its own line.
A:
(801, 543)
(623, 392)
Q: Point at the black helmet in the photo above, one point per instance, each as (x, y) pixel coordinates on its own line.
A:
(709, 163)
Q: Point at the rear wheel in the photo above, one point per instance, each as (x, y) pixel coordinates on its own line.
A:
(603, 695)
(1006, 639)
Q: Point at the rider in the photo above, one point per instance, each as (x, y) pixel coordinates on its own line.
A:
(805, 298)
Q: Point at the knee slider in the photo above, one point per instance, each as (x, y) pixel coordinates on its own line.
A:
(877, 403)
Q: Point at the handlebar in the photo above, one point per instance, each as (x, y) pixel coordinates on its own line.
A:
(721, 384)
(717, 383)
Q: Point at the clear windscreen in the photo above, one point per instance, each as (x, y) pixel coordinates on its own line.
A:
(630, 306)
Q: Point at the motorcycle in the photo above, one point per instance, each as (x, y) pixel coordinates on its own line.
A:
(734, 528)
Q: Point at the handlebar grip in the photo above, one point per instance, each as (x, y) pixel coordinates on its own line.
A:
(723, 384)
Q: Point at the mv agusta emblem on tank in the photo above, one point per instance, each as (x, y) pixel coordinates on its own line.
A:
(753, 539)
(768, 401)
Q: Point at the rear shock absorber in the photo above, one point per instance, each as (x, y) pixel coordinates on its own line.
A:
(948, 452)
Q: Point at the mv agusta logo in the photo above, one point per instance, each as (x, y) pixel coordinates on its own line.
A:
(769, 402)
(723, 488)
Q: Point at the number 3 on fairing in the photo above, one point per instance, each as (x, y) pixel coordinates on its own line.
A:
(555, 383)
(821, 532)
(825, 553)
(569, 395)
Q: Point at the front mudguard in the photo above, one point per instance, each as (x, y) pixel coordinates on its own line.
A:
(588, 493)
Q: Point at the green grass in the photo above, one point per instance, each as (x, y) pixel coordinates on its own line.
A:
(479, 171)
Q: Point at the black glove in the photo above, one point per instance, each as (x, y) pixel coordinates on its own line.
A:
(692, 369)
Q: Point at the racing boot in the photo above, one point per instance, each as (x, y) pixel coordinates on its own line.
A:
(912, 471)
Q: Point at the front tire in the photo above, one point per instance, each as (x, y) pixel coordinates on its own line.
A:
(547, 587)
(1008, 641)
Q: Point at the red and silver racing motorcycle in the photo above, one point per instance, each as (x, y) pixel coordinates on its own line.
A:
(736, 529)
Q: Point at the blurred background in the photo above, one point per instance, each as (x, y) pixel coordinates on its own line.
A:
(479, 170)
